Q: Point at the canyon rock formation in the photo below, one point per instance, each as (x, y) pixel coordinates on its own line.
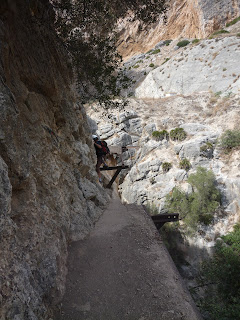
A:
(195, 88)
(48, 190)
(185, 19)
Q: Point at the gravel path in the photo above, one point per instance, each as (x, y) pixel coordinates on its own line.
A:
(123, 271)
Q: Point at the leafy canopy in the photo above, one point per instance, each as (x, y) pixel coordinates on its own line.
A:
(199, 205)
(222, 273)
(88, 30)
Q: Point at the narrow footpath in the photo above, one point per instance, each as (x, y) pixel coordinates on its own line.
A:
(123, 271)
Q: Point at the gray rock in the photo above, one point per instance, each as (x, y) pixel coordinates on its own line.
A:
(127, 115)
(149, 128)
(194, 128)
(92, 124)
(181, 175)
(5, 189)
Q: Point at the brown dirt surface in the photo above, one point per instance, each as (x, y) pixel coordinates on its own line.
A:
(123, 271)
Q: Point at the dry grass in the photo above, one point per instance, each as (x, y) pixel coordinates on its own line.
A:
(221, 107)
(214, 55)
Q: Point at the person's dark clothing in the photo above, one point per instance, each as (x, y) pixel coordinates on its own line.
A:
(99, 151)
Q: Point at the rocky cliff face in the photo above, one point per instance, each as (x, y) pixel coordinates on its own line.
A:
(48, 190)
(186, 19)
(195, 88)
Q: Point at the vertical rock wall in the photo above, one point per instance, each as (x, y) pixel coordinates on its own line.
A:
(48, 190)
(186, 19)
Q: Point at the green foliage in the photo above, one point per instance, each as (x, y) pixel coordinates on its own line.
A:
(185, 164)
(220, 32)
(151, 65)
(232, 22)
(207, 150)
(86, 29)
(178, 134)
(166, 166)
(238, 34)
(166, 60)
(195, 41)
(222, 271)
(200, 204)
(160, 135)
(167, 42)
(217, 94)
(183, 43)
(207, 146)
(136, 66)
(229, 140)
(155, 51)
(152, 208)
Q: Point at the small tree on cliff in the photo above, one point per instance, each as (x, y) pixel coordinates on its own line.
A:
(87, 28)
(198, 206)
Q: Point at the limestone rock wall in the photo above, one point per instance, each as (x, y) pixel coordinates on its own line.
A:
(48, 190)
(185, 19)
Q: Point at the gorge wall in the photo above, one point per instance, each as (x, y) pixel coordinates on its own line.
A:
(185, 19)
(195, 88)
(48, 190)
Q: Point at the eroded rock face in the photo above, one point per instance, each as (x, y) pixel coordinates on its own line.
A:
(186, 19)
(48, 190)
(203, 119)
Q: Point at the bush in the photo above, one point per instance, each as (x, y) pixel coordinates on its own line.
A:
(198, 206)
(229, 140)
(207, 150)
(166, 60)
(195, 41)
(219, 32)
(233, 22)
(136, 66)
(222, 300)
(152, 208)
(183, 43)
(155, 51)
(185, 164)
(167, 42)
(178, 134)
(166, 166)
(207, 146)
(151, 65)
(160, 135)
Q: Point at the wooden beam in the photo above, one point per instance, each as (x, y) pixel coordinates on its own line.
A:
(114, 178)
(113, 168)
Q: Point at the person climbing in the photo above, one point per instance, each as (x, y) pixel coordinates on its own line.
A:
(101, 151)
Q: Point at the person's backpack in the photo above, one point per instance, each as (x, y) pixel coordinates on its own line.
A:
(105, 149)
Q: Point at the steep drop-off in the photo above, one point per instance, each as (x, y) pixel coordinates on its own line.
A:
(48, 190)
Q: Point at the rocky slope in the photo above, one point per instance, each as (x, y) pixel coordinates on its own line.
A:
(48, 190)
(195, 91)
(185, 18)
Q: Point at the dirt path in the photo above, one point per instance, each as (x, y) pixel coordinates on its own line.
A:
(122, 271)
